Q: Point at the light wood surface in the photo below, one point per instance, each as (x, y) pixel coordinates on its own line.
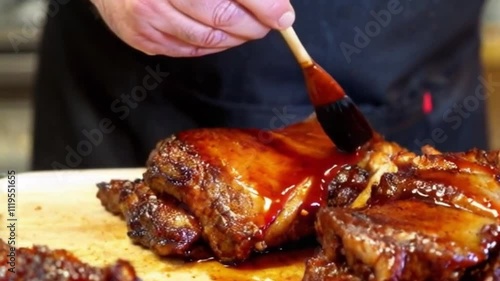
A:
(60, 210)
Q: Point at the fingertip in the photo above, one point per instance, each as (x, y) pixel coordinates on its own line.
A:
(286, 20)
(276, 14)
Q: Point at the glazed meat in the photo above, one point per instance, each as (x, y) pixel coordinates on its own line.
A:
(42, 264)
(406, 240)
(383, 213)
(467, 181)
(428, 217)
(251, 190)
(157, 222)
(347, 185)
(486, 271)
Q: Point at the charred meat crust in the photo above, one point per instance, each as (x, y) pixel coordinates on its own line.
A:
(434, 218)
(159, 223)
(249, 194)
(321, 268)
(467, 180)
(42, 264)
(486, 271)
(406, 217)
(487, 158)
(346, 186)
(223, 210)
(406, 240)
(433, 186)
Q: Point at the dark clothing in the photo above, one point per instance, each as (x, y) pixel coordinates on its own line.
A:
(100, 103)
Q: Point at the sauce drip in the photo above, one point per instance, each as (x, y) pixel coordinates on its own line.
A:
(318, 172)
(271, 166)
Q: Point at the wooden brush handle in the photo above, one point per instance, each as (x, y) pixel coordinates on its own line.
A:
(297, 48)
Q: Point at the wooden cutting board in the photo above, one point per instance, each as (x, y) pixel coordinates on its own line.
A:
(59, 209)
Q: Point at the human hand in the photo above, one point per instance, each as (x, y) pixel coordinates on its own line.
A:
(188, 28)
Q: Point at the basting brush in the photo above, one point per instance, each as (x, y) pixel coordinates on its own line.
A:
(338, 115)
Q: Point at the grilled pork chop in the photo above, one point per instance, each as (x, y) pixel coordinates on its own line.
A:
(157, 222)
(43, 264)
(252, 190)
(428, 217)
(384, 213)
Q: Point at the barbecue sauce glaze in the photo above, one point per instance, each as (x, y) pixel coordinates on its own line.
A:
(319, 171)
(456, 183)
(272, 164)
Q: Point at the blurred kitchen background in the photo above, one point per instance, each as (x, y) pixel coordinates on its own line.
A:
(18, 62)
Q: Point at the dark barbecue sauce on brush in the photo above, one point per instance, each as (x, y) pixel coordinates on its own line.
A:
(344, 124)
(339, 117)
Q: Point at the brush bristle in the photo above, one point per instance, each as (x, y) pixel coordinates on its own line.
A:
(344, 123)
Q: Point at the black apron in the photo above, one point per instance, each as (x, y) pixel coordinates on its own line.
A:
(412, 66)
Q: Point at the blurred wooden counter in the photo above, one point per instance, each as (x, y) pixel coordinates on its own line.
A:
(491, 59)
(491, 46)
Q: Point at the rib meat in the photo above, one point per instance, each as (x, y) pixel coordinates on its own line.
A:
(383, 213)
(158, 222)
(250, 190)
(427, 217)
(468, 181)
(406, 240)
(42, 264)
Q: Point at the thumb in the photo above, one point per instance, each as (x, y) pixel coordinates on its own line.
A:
(277, 14)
